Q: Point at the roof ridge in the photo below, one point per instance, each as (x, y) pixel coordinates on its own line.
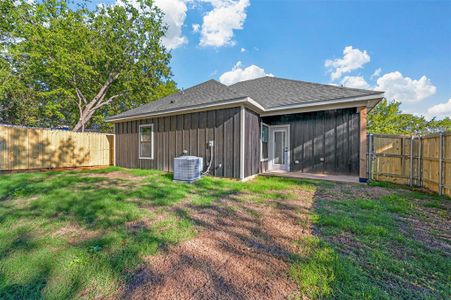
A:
(182, 90)
(307, 82)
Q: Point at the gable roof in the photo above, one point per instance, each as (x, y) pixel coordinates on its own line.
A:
(272, 92)
(208, 92)
(266, 92)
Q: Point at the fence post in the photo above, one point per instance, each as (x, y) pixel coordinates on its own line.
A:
(440, 165)
(370, 156)
(420, 161)
(411, 161)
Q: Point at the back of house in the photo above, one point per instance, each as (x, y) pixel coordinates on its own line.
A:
(261, 125)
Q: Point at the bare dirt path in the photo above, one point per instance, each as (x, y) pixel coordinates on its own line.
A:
(242, 251)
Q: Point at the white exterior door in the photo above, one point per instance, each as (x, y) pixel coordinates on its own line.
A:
(279, 148)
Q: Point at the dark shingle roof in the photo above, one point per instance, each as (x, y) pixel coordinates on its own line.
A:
(269, 92)
(205, 93)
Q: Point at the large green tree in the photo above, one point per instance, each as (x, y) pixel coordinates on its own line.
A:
(388, 118)
(78, 65)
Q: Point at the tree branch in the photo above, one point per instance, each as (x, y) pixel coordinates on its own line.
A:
(106, 102)
(80, 95)
(103, 90)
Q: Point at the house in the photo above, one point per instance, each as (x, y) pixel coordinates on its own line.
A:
(258, 125)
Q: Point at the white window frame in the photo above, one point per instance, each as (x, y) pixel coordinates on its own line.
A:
(151, 141)
(261, 142)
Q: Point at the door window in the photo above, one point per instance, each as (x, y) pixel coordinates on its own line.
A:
(279, 147)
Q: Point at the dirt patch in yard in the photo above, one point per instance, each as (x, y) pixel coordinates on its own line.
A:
(429, 227)
(75, 234)
(243, 251)
(343, 191)
(115, 175)
(116, 179)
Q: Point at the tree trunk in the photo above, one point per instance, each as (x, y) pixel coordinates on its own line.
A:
(88, 109)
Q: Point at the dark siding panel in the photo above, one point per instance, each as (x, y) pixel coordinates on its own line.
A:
(318, 143)
(255, 144)
(211, 120)
(186, 129)
(159, 143)
(219, 138)
(193, 149)
(166, 130)
(131, 145)
(129, 136)
(333, 135)
(172, 141)
(247, 145)
(228, 143)
(341, 142)
(330, 141)
(307, 162)
(179, 135)
(236, 143)
(152, 163)
(189, 132)
(355, 142)
(252, 144)
(296, 141)
(202, 143)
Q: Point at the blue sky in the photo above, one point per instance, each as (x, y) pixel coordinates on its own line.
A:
(402, 47)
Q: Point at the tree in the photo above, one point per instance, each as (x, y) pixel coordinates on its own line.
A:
(82, 64)
(387, 118)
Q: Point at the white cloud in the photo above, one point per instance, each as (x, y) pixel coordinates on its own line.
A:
(242, 50)
(218, 24)
(174, 17)
(238, 73)
(357, 82)
(405, 89)
(196, 27)
(352, 59)
(376, 73)
(441, 109)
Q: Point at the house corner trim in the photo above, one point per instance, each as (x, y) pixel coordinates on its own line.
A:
(242, 133)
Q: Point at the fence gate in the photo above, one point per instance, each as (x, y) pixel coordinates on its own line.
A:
(423, 161)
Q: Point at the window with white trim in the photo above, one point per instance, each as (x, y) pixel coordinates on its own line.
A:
(146, 141)
(264, 139)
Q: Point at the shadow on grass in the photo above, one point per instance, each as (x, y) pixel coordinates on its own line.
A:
(364, 246)
(79, 227)
(37, 262)
(83, 234)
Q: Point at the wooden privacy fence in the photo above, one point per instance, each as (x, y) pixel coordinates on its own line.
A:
(423, 161)
(24, 148)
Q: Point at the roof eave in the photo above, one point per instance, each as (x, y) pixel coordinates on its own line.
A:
(369, 100)
(200, 107)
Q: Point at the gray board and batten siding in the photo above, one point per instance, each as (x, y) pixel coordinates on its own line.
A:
(190, 132)
(322, 142)
(325, 142)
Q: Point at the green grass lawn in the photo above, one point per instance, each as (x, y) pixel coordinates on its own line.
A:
(74, 234)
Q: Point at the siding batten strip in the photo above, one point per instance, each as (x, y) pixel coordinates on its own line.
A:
(242, 121)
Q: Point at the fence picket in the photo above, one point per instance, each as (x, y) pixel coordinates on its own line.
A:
(34, 148)
(389, 155)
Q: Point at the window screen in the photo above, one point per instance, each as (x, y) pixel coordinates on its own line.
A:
(146, 141)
